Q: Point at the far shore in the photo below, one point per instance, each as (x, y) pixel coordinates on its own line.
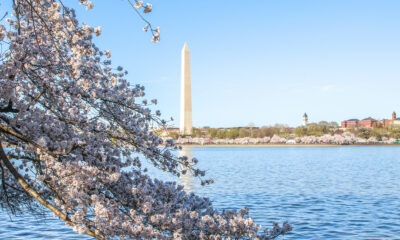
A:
(285, 145)
(269, 145)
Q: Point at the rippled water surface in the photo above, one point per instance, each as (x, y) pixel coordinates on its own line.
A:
(324, 192)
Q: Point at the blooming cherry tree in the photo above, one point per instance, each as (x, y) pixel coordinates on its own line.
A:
(76, 129)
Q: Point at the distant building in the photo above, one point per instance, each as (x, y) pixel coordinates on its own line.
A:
(394, 122)
(350, 123)
(370, 122)
(305, 119)
(366, 122)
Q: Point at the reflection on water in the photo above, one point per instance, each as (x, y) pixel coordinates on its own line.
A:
(186, 180)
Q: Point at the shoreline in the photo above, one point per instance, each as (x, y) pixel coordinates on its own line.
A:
(287, 145)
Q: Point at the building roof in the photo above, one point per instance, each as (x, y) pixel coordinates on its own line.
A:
(368, 118)
(352, 120)
(305, 115)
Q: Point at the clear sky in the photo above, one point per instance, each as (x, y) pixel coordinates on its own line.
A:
(262, 61)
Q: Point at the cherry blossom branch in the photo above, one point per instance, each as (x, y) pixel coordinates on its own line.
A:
(37, 196)
(154, 32)
(3, 183)
(10, 131)
(4, 16)
(17, 16)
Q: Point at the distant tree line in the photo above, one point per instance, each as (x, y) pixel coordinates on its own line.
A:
(282, 130)
(313, 129)
(378, 133)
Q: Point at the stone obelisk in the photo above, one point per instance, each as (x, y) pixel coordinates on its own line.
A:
(186, 94)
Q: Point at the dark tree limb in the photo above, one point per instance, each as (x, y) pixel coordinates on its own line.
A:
(36, 195)
(9, 108)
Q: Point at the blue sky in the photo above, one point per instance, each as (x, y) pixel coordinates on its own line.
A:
(261, 62)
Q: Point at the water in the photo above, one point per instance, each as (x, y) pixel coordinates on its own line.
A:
(324, 192)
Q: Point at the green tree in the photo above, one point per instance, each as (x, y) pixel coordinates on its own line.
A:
(233, 133)
(244, 132)
(196, 132)
(300, 131)
(221, 133)
(212, 132)
(174, 135)
(333, 124)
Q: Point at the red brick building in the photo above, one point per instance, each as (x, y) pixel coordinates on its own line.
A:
(370, 122)
(350, 123)
(366, 122)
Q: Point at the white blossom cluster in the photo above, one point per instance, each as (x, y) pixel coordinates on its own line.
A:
(75, 124)
(339, 139)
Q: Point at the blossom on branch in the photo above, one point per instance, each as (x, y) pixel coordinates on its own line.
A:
(139, 4)
(148, 8)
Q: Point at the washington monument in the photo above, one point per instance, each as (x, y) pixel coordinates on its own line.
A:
(186, 95)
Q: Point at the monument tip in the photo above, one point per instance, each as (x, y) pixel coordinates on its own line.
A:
(185, 46)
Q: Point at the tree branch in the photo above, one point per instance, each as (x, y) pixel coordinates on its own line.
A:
(36, 195)
(10, 131)
(9, 108)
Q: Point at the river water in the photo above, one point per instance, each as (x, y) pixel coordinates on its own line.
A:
(324, 192)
